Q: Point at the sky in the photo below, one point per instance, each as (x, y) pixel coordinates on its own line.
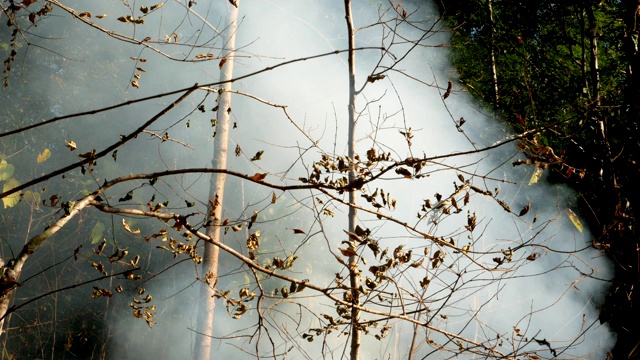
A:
(549, 298)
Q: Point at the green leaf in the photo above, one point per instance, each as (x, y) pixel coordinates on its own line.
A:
(97, 232)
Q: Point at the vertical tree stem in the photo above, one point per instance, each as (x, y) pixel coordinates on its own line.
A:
(353, 260)
(210, 260)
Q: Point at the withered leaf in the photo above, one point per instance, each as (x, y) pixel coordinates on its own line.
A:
(525, 210)
(353, 236)
(404, 172)
(253, 219)
(70, 144)
(128, 228)
(449, 88)
(348, 251)
(259, 177)
(257, 156)
(127, 197)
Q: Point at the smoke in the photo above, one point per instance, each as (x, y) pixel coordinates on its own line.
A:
(553, 297)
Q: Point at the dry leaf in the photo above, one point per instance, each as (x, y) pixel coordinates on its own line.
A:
(46, 154)
(348, 252)
(449, 88)
(574, 219)
(70, 144)
(259, 177)
(128, 229)
(537, 174)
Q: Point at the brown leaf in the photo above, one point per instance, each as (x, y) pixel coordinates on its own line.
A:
(86, 13)
(221, 64)
(298, 231)
(259, 177)
(53, 200)
(348, 251)
(257, 156)
(353, 236)
(524, 210)
(449, 88)
(234, 3)
(404, 172)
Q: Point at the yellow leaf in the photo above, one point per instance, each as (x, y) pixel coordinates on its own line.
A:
(6, 170)
(44, 156)
(70, 144)
(536, 176)
(13, 199)
(574, 219)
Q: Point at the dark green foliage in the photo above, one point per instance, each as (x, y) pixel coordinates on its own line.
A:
(567, 68)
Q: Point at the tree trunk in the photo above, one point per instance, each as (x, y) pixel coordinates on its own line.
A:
(210, 259)
(494, 70)
(353, 260)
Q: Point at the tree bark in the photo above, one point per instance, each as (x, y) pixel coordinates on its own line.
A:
(210, 259)
(353, 259)
(494, 70)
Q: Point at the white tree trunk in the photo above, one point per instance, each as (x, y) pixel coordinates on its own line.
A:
(202, 348)
(351, 151)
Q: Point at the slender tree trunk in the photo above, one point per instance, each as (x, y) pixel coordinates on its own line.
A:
(593, 48)
(583, 55)
(210, 259)
(606, 173)
(353, 260)
(494, 70)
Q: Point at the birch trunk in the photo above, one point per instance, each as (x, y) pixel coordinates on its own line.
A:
(210, 259)
(353, 260)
